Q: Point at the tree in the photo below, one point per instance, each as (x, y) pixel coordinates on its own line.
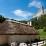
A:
(44, 29)
(23, 21)
(39, 23)
(2, 19)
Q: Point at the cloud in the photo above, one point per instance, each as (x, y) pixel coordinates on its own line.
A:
(35, 3)
(21, 18)
(23, 14)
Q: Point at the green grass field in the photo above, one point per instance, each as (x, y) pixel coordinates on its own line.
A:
(44, 45)
(42, 34)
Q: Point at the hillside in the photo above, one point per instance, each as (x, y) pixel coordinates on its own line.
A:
(42, 34)
(39, 23)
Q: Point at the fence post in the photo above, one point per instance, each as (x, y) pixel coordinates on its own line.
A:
(37, 43)
(30, 43)
(27, 42)
(43, 41)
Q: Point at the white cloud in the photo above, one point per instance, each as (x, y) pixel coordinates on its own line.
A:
(21, 18)
(23, 14)
(35, 3)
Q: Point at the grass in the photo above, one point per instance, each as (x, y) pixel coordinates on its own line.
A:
(44, 45)
(42, 34)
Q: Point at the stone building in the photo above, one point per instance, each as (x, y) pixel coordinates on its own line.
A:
(12, 31)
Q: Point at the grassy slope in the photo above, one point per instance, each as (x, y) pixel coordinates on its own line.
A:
(42, 34)
(44, 45)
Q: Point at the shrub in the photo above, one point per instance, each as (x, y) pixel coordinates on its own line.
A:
(44, 29)
(44, 45)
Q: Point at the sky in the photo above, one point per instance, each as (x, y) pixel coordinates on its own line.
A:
(20, 9)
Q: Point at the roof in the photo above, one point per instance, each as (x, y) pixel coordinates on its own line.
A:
(13, 27)
(0, 23)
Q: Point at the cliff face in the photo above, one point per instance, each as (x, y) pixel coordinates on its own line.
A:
(39, 13)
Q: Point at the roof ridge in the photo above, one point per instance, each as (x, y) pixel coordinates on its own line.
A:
(18, 22)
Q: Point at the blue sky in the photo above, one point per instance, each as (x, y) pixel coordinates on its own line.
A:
(20, 9)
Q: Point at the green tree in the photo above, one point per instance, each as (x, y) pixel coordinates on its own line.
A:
(23, 21)
(39, 23)
(44, 29)
(2, 19)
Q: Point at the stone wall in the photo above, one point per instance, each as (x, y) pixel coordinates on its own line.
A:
(16, 38)
(3, 39)
(21, 38)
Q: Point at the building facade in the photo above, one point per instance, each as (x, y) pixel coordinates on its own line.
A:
(11, 31)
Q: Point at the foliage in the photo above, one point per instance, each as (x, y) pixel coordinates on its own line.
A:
(39, 23)
(34, 22)
(13, 20)
(44, 29)
(2, 19)
(42, 34)
(23, 21)
(44, 45)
